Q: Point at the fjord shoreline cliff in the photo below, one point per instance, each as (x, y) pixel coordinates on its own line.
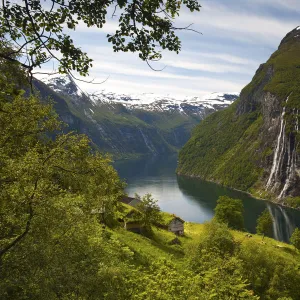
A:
(254, 144)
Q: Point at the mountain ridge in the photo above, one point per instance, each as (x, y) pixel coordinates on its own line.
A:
(132, 125)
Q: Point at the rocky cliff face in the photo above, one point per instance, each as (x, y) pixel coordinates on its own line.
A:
(281, 129)
(264, 157)
(130, 125)
(278, 81)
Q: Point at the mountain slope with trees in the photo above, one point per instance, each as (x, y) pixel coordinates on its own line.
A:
(254, 144)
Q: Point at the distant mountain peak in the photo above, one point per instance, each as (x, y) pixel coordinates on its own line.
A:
(154, 102)
(190, 105)
(127, 125)
(63, 84)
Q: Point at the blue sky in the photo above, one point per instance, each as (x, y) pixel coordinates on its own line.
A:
(238, 35)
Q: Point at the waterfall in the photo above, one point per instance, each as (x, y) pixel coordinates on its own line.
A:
(278, 154)
(290, 171)
(279, 164)
(283, 225)
(148, 142)
(284, 144)
(292, 160)
(297, 121)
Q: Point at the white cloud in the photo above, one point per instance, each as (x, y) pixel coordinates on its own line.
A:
(213, 68)
(246, 26)
(228, 58)
(109, 27)
(234, 42)
(196, 86)
(292, 5)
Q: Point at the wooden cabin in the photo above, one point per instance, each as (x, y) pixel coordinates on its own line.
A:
(131, 219)
(176, 225)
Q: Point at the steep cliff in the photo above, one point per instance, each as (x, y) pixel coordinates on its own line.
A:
(254, 144)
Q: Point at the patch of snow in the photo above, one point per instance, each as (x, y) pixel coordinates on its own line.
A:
(298, 28)
(54, 78)
(145, 101)
(59, 82)
(153, 102)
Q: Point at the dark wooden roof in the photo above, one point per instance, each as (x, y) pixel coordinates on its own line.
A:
(126, 199)
(130, 201)
(177, 218)
(135, 202)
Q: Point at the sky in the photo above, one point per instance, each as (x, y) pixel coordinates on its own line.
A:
(237, 36)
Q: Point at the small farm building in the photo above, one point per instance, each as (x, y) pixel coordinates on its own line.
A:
(176, 225)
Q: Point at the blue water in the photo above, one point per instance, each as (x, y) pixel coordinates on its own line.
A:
(194, 200)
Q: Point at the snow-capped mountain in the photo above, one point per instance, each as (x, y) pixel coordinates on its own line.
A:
(200, 106)
(63, 85)
(131, 124)
(153, 102)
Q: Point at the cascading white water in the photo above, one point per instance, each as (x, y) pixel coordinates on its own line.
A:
(280, 157)
(292, 160)
(297, 121)
(290, 172)
(278, 154)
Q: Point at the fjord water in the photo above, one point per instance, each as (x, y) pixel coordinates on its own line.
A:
(194, 200)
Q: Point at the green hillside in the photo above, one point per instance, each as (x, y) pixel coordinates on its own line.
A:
(236, 147)
(220, 148)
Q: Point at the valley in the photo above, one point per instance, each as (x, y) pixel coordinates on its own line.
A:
(128, 126)
(131, 165)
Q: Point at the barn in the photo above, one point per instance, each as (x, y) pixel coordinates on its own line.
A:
(130, 218)
(176, 225)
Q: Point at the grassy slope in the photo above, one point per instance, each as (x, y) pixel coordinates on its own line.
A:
(226, 147)
(220, 148)
(265, 253)
(158, 246)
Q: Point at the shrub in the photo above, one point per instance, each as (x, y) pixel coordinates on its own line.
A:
(265, 224)
(295, 238)
(230, 212)
(217, 238)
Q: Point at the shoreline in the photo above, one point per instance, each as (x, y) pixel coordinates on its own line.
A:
(238, 190)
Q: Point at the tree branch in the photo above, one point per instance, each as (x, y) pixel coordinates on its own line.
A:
(16, 61)
(156, 70)
(28, 224)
